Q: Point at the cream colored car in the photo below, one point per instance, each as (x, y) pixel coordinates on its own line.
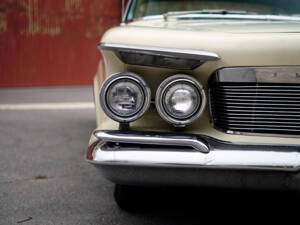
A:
(200, 93)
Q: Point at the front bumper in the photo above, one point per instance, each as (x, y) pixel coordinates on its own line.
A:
(148, 158)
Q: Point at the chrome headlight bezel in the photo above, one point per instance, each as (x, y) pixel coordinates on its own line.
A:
(160, 94)
(131, 77)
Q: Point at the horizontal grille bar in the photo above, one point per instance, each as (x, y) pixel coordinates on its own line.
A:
(255, 90)
(260, 86)
(259, 100)
(258, 104)
(244, 124)
(260, 93)
(259, 111)
(247, 130)
(258, 96)
(253, 115)
(256, 107)
(254, 122)
(250, 118)
(249, 107)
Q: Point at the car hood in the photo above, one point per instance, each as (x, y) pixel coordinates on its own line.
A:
(238, 43)
(227, 26)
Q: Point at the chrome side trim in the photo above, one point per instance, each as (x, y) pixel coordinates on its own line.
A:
(123, 9)
(195, 142)
(125, 15)
(171, 52)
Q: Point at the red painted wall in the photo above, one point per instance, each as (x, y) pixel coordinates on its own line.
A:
(52, 42)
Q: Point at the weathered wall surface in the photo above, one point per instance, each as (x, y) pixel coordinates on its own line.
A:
(52, 42)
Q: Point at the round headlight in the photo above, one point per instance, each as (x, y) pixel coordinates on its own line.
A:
(180, 99)
(124, 97)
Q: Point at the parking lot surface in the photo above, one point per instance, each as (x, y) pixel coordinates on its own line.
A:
(45, 180)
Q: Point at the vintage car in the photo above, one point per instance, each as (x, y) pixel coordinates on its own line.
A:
(200, 93)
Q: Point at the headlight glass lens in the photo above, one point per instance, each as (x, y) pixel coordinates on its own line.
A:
(125, 97)
(181, 100)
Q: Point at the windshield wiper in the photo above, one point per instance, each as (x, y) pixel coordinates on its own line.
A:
(206, 11)
(228, 14)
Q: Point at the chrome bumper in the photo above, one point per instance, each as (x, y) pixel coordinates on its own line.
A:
(161, 158)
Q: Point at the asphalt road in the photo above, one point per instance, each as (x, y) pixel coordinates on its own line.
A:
(45, 180)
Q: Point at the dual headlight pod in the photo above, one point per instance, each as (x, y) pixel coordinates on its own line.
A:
(125, 97)
(180, 99)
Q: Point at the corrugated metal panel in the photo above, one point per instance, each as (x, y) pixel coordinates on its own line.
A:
(52, 42)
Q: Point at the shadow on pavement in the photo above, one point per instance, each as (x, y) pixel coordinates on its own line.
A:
(193, 205)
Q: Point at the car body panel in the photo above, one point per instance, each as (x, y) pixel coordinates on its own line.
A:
(226, 26)
(262, 49)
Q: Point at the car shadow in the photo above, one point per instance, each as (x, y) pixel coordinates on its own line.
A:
(191, 205)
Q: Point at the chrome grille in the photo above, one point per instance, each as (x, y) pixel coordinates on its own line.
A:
(242, 107)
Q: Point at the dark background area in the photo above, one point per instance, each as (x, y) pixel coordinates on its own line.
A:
(52, 42)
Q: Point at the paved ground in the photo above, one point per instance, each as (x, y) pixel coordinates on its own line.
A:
(45, 180)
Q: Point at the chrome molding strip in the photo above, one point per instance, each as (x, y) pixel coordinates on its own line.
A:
(278, 74)
(125, 15)
(258, 134)
(142, 138)
(171, 52)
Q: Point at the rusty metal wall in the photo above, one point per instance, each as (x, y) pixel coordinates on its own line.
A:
(52, 42)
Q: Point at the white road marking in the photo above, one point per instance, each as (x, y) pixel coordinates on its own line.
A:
(48, 106)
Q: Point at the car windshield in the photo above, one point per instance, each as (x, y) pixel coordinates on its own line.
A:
(145, 8)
